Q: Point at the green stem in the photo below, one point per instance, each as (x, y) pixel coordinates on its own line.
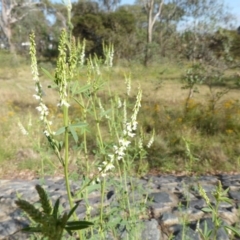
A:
(126, 189)
(103, 184)
(66, 163)
(97, 122)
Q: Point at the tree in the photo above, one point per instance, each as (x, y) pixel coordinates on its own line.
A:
(152, 18)
(203, 19)
(12, 11)
(161, 13)
(109, 5)
(98, 27)
(35, 21)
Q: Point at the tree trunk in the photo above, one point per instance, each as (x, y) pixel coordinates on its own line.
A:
(8, 33)
(151, 22)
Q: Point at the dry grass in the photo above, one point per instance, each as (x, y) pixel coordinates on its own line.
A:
(162, 109)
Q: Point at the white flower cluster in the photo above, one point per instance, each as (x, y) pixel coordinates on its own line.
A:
(150, 142)
(121, 148)
(129, 129)
(93, 66)
(119, 153)
(22, 129)
(119, 102)
(106, 165)
(128, 84)
(111, 55)
(63, 91)
(82, 55)
(43, 110)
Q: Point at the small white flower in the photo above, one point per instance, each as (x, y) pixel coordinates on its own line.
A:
(120, 151)
(63, 102)
(131, 134)
(119, 103)
(46, 133)
(119, 158)
(150, 142)
(124, 142)
(37, 97)
(129, 127)
(111, 156)
(22, 128)
(108, 166)
(140, 143)
(134, 125)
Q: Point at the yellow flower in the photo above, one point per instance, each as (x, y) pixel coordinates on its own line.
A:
(156, 108)
(229, 131)
(179, 120)
(10, 114)
(228, 104)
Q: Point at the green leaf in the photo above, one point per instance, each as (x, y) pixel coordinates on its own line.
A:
(78, 125)
(63, 220)
(60, 131)
(93, 187)
(206, 209)
(233, 229)
(74, 134)
(74, 87)
(77, 225)
(45, 202)
(47, 73)
(68, 231)
(78, 103)
(84, 88)
(225, 199)
(55, 209)
(72, 210)
(32, 229)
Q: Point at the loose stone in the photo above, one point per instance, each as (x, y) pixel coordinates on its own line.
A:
(175, 207)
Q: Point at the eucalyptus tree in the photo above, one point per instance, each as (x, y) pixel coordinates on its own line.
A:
(13, 11)
(109, 5)
(98, 27)
(160, 14)
(203, 19)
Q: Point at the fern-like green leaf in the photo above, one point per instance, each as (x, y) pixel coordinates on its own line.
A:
(33, 213)
(46, 204)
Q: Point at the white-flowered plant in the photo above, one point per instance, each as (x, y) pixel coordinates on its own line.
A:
(42, 108)
(113, 127)
(128, 84)
(124, 141)
(151, 140)
(22, 129)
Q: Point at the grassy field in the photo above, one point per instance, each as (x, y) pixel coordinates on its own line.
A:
(200, 138)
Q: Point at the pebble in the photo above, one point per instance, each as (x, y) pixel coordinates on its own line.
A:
(175, 207)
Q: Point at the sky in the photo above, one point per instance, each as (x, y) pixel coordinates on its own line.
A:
(234, 6)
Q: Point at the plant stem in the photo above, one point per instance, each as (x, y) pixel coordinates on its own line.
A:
(66, 158)
(103, 184)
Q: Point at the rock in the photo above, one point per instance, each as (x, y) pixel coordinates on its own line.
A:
(174, 204)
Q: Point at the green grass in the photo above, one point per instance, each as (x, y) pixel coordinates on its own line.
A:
(214, 135)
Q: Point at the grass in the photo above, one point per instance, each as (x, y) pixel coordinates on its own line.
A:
(214, 136)
(188, 138)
